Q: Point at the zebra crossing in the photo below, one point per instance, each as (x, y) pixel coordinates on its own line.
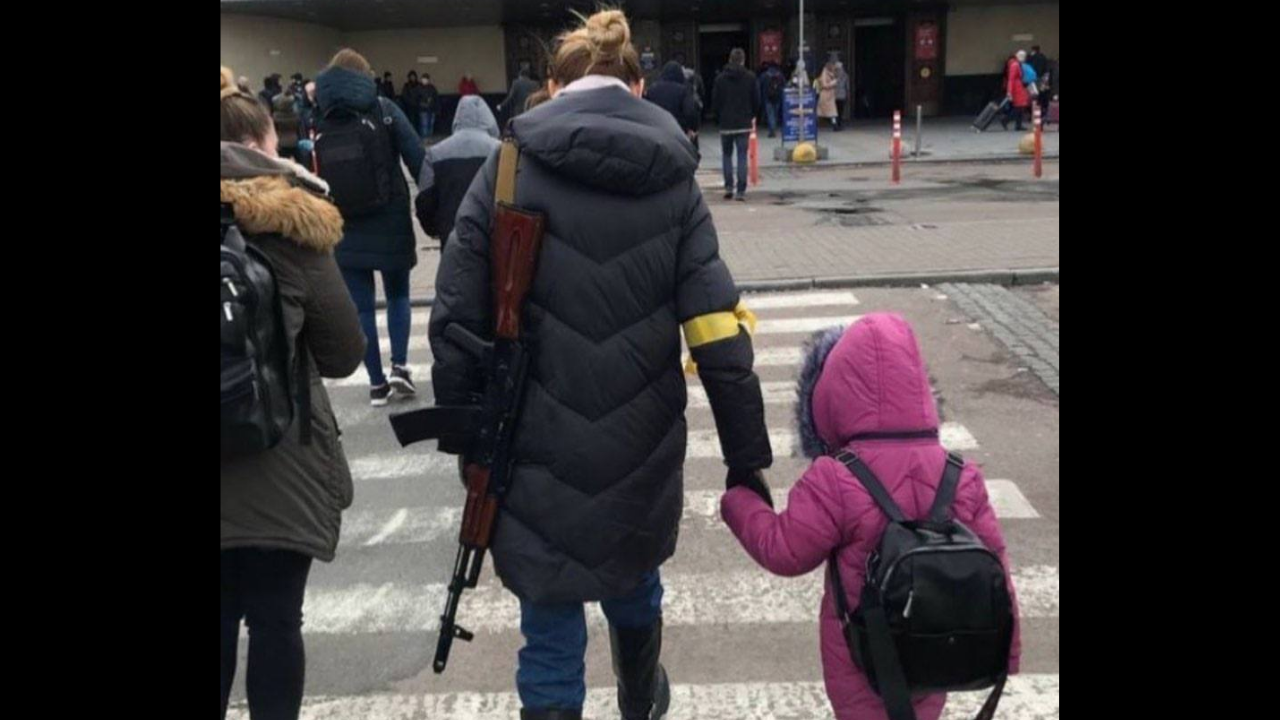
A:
(408, 505)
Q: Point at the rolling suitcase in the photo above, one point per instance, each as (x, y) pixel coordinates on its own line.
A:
(988, 115)
(1053, 112)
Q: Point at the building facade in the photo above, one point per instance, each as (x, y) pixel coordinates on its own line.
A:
(945, 57)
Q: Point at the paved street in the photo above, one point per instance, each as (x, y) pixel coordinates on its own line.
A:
(740, 644)
(832, 223)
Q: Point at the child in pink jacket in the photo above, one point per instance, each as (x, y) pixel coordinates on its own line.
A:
(859, 388)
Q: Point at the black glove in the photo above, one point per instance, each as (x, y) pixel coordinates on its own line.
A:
(752, 479)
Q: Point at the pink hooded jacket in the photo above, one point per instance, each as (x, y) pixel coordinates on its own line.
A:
(868, 379)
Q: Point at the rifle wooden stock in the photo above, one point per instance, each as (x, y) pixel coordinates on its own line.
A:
(480, 511)
(516, 239)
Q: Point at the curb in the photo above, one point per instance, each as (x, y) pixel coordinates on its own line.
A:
(1011, 277)
(906, 160)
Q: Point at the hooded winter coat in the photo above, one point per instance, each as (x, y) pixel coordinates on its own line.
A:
(451, 165)
(291, 497)
(629, 255)
(868, 379)
(381, 240)
(672, 93)
(1015, 86)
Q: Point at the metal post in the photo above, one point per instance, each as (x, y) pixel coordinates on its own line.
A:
(919, 125)
(801, 74)
(1039, 147)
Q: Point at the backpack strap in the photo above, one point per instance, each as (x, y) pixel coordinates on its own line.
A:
(872, 484)
(946, 489)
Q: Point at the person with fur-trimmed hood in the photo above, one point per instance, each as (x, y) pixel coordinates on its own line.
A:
(281, 508)
(451, 165)
(864, 389)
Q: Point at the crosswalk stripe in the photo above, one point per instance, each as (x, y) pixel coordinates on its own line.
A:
(701, 444)
(706, 443)
(1026, 697)
(794, 300)
(773, 356)
(737, 597)
(764, 326)
(775, 393)
(425, 524)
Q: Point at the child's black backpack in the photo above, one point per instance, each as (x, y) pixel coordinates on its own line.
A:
(257, 405)
(935, 614)
(353, 153)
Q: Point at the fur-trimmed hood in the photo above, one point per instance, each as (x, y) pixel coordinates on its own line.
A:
(271, 195)
(869, 378)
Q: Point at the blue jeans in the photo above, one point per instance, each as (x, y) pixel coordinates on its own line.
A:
(727, 143)
(551, 670)
(428, 123)
(395, 284)
(771, 111)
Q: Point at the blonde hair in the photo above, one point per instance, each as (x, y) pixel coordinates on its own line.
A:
(601, 45)
(243, 117)
(349, 59)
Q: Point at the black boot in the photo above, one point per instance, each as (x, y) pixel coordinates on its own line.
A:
(550, 715)
(644, 692)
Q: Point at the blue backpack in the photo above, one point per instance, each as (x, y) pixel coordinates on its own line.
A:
(1028, 74)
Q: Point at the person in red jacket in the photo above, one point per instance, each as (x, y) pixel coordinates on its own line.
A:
(467, 86)
(1015, 91)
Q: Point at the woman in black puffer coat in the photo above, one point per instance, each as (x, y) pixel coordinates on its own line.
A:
(629, 258)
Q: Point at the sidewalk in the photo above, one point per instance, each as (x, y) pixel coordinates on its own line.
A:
(849, 226)
(867, 141)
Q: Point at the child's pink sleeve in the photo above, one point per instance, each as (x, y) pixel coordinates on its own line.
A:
(799, 538)
(973, 508)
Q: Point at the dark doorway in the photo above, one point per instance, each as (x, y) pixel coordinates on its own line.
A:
(713, 55)
(879, 67)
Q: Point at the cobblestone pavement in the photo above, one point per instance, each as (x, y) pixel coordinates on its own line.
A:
(1016, 322)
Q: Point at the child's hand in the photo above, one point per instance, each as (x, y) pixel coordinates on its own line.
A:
(751, 479)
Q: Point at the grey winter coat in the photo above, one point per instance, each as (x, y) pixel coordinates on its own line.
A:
(451, 165)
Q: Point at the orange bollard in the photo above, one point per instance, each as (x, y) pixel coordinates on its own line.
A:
(1039, 143)
(753, 155)
(897, 146)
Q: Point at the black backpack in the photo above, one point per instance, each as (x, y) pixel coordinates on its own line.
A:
(353, 154)
(777, 83)
(257, 406)
(935, 614)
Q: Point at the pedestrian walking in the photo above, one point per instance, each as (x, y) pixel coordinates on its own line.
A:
(362, 143)
(863, 390)
(735, 100)
(281, 506)
(451, 165)
(629, 258)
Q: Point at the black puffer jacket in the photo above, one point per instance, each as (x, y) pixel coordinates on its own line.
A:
(629, 255)
(673, 94)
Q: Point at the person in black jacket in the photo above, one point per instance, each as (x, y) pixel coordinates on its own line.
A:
(735, 100)
(673, 94)
(387, 87)
(1044, 83)
(521, 89)
(451, 165)
(383, 239)
(629, 258)
(430, 106)
(411, 98)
